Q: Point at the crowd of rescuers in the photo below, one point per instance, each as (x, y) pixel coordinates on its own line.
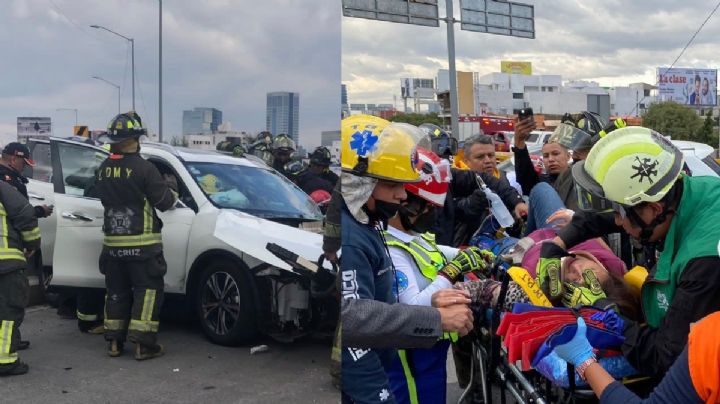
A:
(314, 178)
(407, 218)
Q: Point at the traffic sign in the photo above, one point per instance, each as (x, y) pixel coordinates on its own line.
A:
(498, 17)
(416, 12)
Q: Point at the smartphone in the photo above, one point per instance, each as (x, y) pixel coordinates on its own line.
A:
(525, 113)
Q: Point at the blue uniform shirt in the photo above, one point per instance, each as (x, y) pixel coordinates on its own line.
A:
(366, 273)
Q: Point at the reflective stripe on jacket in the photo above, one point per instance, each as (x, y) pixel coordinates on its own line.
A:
(18, 228)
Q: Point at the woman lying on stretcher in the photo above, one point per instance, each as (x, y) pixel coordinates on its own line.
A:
(590, 275)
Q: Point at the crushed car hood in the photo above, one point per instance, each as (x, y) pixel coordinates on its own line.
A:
(251, 234)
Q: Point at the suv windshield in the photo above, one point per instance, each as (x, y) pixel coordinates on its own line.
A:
(257, 191)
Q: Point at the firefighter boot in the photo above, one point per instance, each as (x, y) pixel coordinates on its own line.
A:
(144, 352)
(14, 369)
(115, 348)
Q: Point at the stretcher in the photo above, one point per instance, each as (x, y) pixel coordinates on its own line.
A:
(497, 376)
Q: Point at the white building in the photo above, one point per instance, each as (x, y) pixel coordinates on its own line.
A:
(502, 93)
(335, 150)
(204, 142)
(632, 100)
(505, 94)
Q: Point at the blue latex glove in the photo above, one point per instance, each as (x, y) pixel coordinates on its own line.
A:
(578, 349)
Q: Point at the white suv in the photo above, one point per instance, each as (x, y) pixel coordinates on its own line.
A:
(214, 240)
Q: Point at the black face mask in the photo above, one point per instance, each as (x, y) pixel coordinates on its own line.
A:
(383, 211)
(426, 221)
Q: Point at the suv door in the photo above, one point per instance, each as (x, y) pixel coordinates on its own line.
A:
(41, 192)
(177, 224)
(79, 236)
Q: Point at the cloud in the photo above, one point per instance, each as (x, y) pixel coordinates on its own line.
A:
(614, 42)
(225, 54)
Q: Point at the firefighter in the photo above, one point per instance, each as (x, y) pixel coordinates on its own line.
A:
(131, 189)
(15, 157)
(320, 165)
(283, 148)
(19, 232)
(305, 178)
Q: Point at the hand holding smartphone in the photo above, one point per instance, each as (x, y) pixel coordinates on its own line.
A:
(525, 113)
(524, 126)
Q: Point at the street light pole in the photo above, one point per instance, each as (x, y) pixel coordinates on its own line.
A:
(160, 109)
(132, 56)
(70, 109)
(112, 84)
(450, 20)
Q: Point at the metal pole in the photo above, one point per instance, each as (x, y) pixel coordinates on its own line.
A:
(132, 47)
(450, 20)
(70, 109)
(160, 128)
(112, 84)
(132, 51)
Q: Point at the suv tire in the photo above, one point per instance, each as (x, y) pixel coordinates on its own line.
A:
(225, 305)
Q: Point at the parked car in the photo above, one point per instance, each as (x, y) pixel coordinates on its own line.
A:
(229, 210)
(503, 140)
(698, 158)
(537, 138)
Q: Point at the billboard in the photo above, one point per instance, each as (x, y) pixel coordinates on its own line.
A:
(417, 88)
(695, 87)
(499, 17)
(510, 67)
(33, 127)
(417, 12)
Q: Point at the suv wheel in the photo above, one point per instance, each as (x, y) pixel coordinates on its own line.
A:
(225, 305)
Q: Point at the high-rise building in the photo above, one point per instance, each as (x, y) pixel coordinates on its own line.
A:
(344, 107)
(343, 94)
(283, 114)
(201, 121)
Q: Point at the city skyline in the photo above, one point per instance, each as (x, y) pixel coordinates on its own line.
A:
(597, 42)
(208, 59)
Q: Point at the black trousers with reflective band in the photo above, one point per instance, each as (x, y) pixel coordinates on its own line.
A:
(133, 299)
(14, 290)
(90, 307)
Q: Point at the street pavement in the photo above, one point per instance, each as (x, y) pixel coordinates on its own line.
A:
(67, 366)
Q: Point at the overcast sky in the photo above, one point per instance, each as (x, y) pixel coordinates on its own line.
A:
(612, 42)
(225, 54)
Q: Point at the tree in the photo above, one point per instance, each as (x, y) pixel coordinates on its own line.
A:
(673, 119)
(705, 134)
(418, 119)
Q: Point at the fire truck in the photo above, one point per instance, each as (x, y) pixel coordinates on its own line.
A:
(500, 128)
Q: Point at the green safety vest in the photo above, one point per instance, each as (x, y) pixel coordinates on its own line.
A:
(429, 261)
(694, 233)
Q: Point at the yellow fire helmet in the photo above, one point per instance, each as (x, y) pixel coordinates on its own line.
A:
(388, 151)
(628, 166)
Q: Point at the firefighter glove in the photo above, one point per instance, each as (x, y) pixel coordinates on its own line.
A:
(468, 260)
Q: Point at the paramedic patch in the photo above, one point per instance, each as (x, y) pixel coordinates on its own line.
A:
(402, 281)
